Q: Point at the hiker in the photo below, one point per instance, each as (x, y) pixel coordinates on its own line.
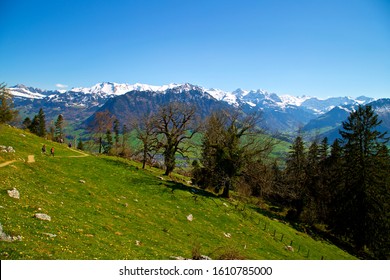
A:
(52, 151)
(44, 149)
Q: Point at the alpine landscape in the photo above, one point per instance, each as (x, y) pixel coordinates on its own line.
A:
(159, 145)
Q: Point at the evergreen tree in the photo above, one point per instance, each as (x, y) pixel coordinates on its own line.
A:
(109, 143)
(311, 194)
(116, 133)
(80, 145)
(59, 128)
(296, 164)
(323, 149)
(34, 126)
(7, 113)
(26, 123)
(363, 197)
(231, 149)
(41, 123)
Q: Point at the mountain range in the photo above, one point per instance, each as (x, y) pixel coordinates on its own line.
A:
(281, 113)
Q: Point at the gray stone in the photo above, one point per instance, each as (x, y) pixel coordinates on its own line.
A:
(42, 216)
(14, 193)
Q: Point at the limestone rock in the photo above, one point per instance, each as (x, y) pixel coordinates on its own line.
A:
(42, 216)
(14, 193)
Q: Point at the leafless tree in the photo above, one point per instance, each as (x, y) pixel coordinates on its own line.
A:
(102, 122)
(175, 124)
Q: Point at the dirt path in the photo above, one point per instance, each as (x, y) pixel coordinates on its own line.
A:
(30, 159)
(7, 163)
(82, 154)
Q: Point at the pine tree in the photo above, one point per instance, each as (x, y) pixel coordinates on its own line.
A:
(323, 149)
(116, 133)
(59, 128)
(26, 123)
(311, 194)
(34, 126)
(7, 113)
(109, 143)
(41, 123)
(80, 145)
(361, 216)
(296, 164)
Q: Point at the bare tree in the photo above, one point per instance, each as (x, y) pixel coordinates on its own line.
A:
(147, 134)
(175, 124)
(101, 123)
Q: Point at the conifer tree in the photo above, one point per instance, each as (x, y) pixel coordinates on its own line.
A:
(59, 128)
(296, 164)
(7, 113)
(80, 145)
(41, 123)
(109, 143)
(363, 197)
(26, 123)
(116, 133)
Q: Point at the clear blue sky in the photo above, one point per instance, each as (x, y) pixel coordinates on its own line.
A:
(320, 48)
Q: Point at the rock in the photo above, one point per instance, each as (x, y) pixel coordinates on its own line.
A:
(227, 235)
(50, 234)
(190, 217)
(42, 216)
(5, 149)
(14, 193)
(201, 258)
(179, 258)
(8, 238)
(289, 248)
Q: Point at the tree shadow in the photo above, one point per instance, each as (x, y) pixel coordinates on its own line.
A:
(177, 186)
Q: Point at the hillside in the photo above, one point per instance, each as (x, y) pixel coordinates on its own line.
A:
(107, 208)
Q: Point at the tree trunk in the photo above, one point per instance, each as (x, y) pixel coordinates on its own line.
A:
(226, 189)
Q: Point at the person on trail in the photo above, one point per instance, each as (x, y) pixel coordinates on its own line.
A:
(52, 151)
(44, 149)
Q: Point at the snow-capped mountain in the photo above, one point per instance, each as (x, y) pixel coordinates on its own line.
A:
(21, 91)
(280, 112)
(108, 89)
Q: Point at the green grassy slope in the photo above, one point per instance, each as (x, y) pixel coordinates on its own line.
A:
(122, 212)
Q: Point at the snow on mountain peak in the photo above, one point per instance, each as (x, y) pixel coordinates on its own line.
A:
(293, 100)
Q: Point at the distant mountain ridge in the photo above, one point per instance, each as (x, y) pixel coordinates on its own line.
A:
(284, 113)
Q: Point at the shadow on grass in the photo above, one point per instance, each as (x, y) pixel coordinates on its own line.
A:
(176, 186)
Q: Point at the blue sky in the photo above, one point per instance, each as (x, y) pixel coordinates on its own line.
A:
(319, 48)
